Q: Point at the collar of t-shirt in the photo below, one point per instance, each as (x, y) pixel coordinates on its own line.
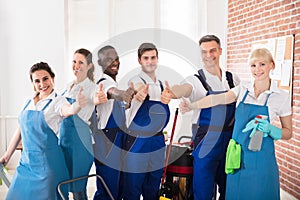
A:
(154, 87)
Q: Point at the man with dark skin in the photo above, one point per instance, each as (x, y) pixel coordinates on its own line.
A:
(111, 103)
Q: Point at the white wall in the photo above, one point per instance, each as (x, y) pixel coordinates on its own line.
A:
(35, 30)
(217, 23)
(31, 31)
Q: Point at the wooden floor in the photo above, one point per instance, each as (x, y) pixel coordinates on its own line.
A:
(92, 188)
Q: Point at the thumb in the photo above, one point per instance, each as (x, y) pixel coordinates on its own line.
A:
(80, 91)
(184, 100)
(131, 85)
(100, 87)
(146, 88)
(167, 85)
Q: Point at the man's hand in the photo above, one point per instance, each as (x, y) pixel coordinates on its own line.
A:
(128, 94)
(142, 93)
(167, 94)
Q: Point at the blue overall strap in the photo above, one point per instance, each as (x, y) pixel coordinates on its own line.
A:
(93, 119)
(245, 95)
(42, 108)
(48, 103)
(101, 79)
(265, 104)
(160, 84)
(229, 79)
(62, 94)
(27, 104)
(202, 79)
(267, 99)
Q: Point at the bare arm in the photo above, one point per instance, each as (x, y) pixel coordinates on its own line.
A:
(12, 146)
(215, 99)
(286, 124)
(184, 90)
(68, 109)
(121, 95)
(176, 92)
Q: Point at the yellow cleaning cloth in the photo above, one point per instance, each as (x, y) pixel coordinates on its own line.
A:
(233, 157)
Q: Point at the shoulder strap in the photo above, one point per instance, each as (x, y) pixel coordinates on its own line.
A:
(202, 79)
(27, 104)
(93, 118)
(229, 79)
(161, 85)
(101, 79)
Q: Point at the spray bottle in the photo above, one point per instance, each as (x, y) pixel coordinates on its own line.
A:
(256, 140)
(4, 175)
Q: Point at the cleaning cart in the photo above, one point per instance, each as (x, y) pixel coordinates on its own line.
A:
(81, 178)
(176, 182)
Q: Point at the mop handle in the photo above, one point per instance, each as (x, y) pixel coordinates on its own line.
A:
(169, 147)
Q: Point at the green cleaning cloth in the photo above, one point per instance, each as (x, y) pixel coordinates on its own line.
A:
(233, 157)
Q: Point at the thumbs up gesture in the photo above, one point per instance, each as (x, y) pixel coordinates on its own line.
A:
(167, 94)
(184, 105)
(128, 94)
(81, 99)
(142, 93)
(100, 96)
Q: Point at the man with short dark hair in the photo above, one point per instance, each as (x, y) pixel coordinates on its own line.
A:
(146, 120)
(109, 124)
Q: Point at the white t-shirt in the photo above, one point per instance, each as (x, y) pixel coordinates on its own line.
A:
(154, 92)
(52, 112)
(279, 103)
(104, 110)
(88, 91)
(198, 91)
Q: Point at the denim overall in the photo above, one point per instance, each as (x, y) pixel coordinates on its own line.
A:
(108, 152)
(215, 127)
(144, 161)
(42, 166)
(76, 142)
(258, 177)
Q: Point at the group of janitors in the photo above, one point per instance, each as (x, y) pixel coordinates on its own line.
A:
(121, 131)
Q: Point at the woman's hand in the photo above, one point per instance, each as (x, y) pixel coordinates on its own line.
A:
(81, 99)
(100, 96)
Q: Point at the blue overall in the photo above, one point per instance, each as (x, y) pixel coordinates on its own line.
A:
(210, 144)
(144, 161)
(42, 166)
(108, 153)
(76, 142)
(258, 177)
